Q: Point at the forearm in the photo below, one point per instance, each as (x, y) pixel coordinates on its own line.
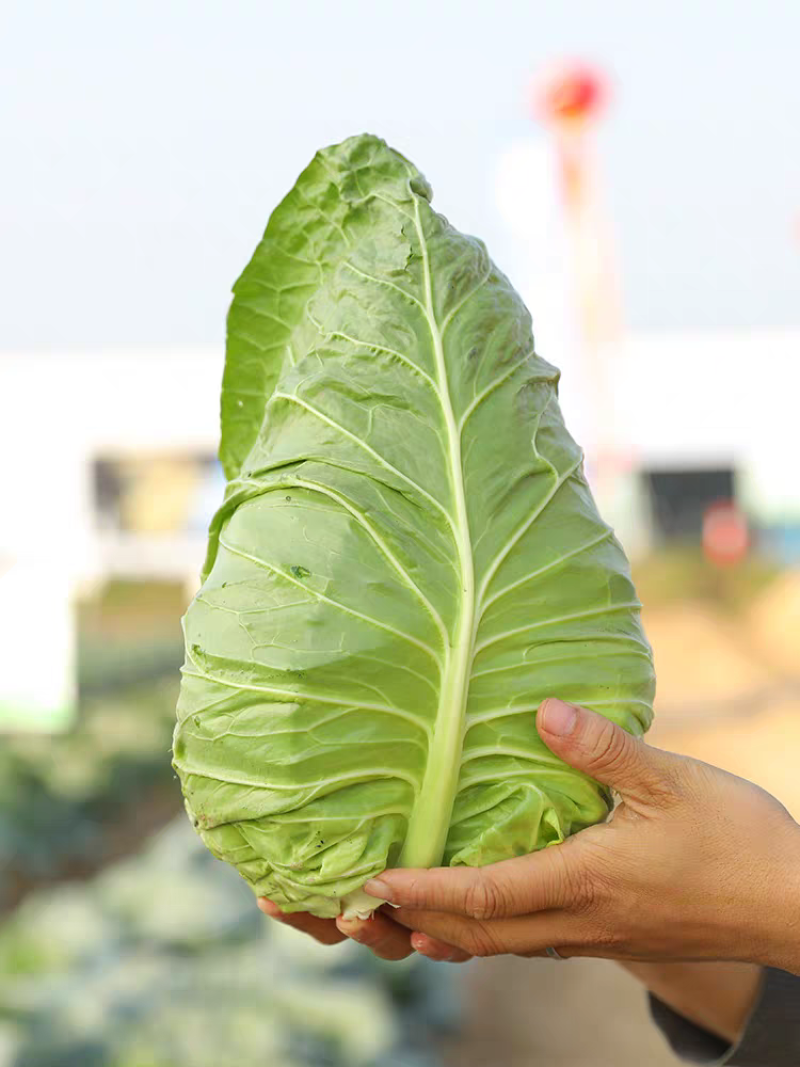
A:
(719, 997)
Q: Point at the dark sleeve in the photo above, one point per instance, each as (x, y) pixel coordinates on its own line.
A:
(771, 1037)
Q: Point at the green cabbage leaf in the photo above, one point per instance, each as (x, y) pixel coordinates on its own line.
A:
(408, 559)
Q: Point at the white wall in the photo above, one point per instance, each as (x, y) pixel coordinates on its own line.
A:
(58, 412)
(692, 400)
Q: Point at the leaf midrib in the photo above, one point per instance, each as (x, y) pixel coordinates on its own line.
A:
(429, 820)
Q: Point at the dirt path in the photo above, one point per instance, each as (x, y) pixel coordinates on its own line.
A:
(535, 1013)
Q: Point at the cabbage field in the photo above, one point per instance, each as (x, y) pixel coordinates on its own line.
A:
(163, 959)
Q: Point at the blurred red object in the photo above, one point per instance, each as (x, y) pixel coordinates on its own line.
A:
(726, 537)
(570, 93)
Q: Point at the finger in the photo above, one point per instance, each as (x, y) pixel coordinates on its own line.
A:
(380, 934)
(322, 930)
(438, 950)
(528, 936)
(598, 747)
(512, 887)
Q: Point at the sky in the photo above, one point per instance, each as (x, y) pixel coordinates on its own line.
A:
(144, 145)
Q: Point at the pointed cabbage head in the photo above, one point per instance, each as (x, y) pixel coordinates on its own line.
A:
(407, 561)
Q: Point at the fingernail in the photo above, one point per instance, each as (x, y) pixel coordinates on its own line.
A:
(351, 927)
(376, 888)
(557, 717)
(270, 909)
(431, 950)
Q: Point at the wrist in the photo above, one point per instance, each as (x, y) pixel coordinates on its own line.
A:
(776, 940)
(719, 997)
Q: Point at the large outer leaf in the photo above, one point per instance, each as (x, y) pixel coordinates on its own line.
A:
(408, 559)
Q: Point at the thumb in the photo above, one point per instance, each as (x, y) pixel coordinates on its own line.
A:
(598, 747)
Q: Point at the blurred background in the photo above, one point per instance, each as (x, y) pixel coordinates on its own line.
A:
(633, 169)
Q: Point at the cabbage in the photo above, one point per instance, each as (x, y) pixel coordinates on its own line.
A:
(407, 561)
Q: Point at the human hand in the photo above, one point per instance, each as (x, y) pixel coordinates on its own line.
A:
(696, 864)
